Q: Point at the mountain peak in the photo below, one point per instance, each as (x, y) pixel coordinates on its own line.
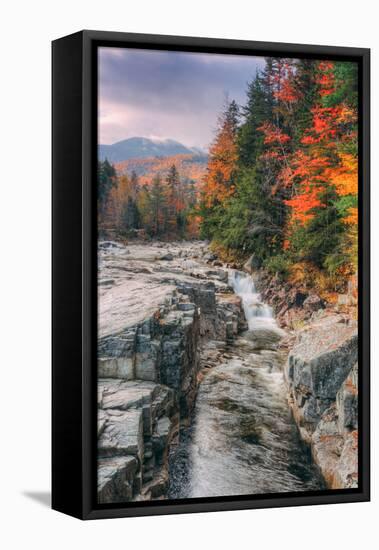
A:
(143, 147)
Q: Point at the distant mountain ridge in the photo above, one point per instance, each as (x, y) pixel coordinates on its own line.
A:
(191, 167)
(140, 147)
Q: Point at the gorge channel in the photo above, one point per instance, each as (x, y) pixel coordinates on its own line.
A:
(198, 396)
(242, 438)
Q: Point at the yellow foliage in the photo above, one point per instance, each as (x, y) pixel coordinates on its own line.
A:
(345, 176)
(352, 218)
(227, 255)
(222, 163)
(298, 271)
(310, 277)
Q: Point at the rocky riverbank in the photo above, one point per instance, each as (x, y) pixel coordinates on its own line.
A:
(163, 315)
(321, 373)
(322, 377)
(167, 317)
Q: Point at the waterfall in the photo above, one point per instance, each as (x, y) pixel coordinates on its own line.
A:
(259, 316)
(243, 439)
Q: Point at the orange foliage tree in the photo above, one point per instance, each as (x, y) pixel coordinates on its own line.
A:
(219, 178)
(322, 159)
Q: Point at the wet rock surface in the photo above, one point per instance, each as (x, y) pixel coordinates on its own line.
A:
(243, 439)
(321, 372)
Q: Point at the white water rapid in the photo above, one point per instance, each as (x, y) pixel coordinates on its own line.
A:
(259, 316)
(243, 439)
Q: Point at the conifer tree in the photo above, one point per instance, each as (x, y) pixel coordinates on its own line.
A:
(173, 195)
(254, 114)
(106, 178)
(158, 206)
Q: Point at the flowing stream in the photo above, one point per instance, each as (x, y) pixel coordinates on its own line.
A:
(243, 439)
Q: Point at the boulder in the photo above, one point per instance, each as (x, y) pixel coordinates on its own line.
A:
(210, 257)
(251, 264)
(167, 257)
(318, 364)
(313, 303)
(218, 274)
(321, 373)
(104, 245)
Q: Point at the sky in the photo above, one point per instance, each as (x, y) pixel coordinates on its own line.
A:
(165, 94)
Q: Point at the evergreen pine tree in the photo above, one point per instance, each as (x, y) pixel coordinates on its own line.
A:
(158, 206)
(106, 178)
(173, 192)
(254, 113)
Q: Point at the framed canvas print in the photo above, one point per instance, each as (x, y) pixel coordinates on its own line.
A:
(210, 274)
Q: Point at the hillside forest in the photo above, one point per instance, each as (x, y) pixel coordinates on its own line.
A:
(280, 182)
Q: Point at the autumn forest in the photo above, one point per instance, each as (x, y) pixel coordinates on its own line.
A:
(280, 180)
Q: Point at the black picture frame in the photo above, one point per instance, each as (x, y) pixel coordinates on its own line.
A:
(74, 337)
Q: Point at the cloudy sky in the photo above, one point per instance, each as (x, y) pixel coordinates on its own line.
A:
(164, 94)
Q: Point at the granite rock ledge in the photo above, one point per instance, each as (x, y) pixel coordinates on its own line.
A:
(158, 309)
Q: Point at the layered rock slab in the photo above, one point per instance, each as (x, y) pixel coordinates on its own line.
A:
(116, 479)
(322, 377)
(157, 307)
(136, 423)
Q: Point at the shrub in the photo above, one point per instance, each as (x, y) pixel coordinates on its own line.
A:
(280, 265)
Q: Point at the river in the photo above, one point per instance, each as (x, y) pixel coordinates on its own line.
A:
(242, 438)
